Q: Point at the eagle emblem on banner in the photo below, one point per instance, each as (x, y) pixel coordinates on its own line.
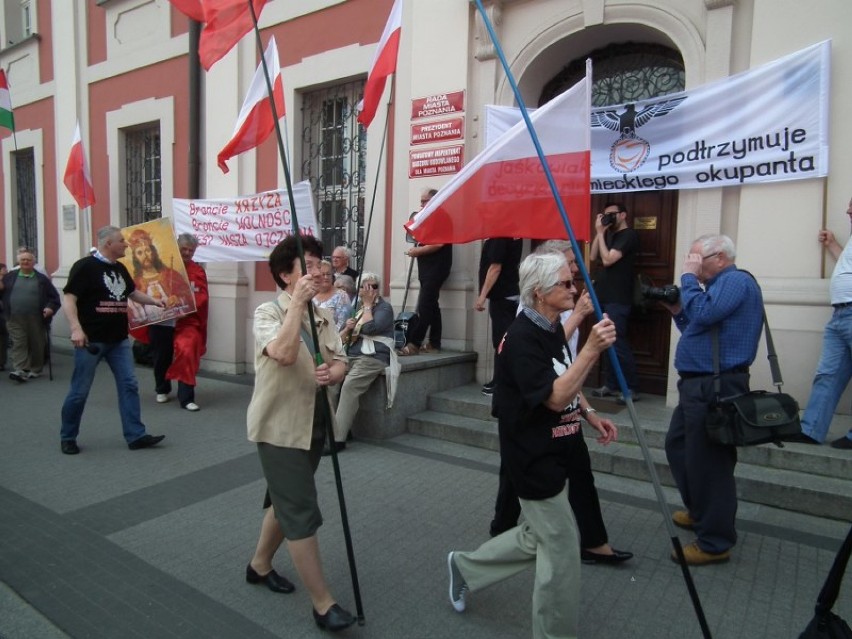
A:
(629, 151)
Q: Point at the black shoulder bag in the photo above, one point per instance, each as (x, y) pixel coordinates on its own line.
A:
(406, 320)
(756, 417)
(826, 624)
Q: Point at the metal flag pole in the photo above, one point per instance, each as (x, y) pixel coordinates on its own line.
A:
(640, 435)
(324, 405)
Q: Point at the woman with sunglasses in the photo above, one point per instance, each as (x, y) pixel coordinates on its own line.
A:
(371, 350)
(539, 405)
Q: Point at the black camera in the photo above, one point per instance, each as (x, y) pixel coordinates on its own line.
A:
(608, 218)
(670, 294)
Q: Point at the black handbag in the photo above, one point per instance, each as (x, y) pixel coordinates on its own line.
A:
(826, 624)
(406, 320)
(756, 417)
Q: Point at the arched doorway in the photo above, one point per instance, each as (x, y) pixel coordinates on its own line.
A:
(627, 73)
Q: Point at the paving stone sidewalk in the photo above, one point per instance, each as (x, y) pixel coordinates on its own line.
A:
(154, 543)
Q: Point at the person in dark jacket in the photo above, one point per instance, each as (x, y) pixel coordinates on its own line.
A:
(29, 302)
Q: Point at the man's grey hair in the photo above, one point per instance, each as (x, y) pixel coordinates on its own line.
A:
(187, 239)
(554, 246)
(105, 233)
(717, 244)
(539, 271)
(348, 252)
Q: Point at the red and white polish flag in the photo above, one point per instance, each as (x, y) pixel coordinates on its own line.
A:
(384, 63)
(256, 122)
(503, 191)
(77, 178)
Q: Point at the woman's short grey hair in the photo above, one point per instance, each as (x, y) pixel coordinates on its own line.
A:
(187, 239)
(717, 244)
(539, 271)
(346, 283)
(554, 246)
(368, 276)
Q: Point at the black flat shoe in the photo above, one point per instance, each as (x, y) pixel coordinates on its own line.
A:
(617, 557)
(272, 580)
(334, 619)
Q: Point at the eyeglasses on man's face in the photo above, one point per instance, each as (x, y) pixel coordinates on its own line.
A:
(707, 257)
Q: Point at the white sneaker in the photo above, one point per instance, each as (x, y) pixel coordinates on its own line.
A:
(162, 398)
(193, 407)
(33, 375)
(458, 587)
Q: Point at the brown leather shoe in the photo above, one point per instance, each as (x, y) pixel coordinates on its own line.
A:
(694, 556)
(408, 349)
(682, 519)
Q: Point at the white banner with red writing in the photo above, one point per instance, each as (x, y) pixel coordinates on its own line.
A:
(767, 124)
(245, 228)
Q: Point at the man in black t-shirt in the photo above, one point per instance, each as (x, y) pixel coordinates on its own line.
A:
(498, 283)
(616, 244)
(95, 304)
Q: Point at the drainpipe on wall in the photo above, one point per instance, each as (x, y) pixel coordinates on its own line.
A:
(194, 146)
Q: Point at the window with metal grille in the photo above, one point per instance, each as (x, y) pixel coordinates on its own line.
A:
(26, 216)
(334, 148)
(622, 73)
(143, 193)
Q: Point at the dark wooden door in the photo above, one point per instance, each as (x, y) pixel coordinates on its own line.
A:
(654, 216)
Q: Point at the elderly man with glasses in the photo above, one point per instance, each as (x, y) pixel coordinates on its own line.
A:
(340, 258)
(715, 298)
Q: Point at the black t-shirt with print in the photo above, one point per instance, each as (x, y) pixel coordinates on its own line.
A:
(101, 289)
(534, 440)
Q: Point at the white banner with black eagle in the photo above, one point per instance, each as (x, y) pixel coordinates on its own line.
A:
(766, 124)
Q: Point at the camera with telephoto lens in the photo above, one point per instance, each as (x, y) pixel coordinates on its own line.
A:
(670, 294)
(608, 218)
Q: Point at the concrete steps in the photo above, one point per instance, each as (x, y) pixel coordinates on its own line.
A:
(811, 480)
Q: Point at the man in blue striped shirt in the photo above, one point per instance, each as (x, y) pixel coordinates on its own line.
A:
(714, 296)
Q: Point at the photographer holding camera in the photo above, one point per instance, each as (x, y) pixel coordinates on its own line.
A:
(714, 296)
(616, 244)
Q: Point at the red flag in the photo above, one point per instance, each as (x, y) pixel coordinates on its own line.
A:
(77, 178)
(226, 22)
(384, 63)
(255, 122)
(503, 192)
(190, 8)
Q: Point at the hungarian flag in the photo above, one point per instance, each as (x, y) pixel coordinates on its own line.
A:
(7, 118)
(384, 63)
(77, 178)
(256, 121)
(225, 23)
(503, 191)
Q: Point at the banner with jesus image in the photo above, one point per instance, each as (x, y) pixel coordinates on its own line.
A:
(154, 261)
